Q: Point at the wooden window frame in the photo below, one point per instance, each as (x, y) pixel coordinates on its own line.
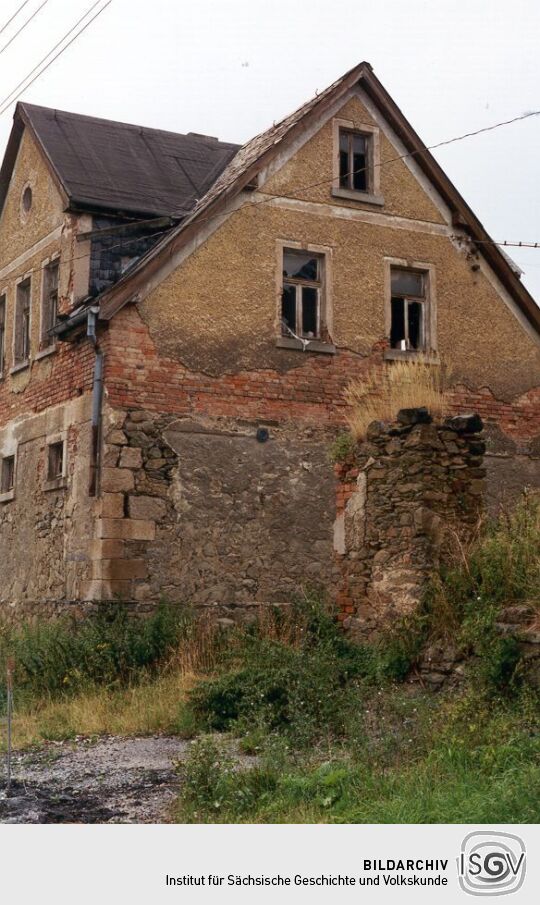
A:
(367, 130)
(47, 343)
(7, 493)
(3, 322)
(55, 481)
(22, 361)
(323, 344)
(429, 352)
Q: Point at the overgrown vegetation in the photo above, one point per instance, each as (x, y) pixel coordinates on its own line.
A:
(381, 393)
(336, 733)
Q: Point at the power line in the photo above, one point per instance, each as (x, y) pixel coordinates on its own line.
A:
(14, 16)
(9, 99)
(17, 33)
(504, 242)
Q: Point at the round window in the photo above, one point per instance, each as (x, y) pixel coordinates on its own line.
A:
(27, 199)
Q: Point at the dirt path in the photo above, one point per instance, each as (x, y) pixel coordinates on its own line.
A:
(113, 780)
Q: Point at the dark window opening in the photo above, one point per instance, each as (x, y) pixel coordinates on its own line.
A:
(49, 303)
(55, 466)
(354, 161)
(408, 328)
(301, 294)
(2, 333)
(7, 476)
(27, 199)
(22, 323)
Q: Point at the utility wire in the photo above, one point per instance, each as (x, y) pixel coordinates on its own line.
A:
(24, 84)
(14, 16)
(17, 33)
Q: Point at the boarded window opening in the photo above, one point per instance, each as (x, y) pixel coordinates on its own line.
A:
(55, 464)
(354, 161)
(49, 304)
(2, 333)
(408, 328)
(22, 323)
(301, 294)
(7, 475)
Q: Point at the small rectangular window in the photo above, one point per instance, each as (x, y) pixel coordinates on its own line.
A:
(2, 333)
(49, 303)
(301, 300)
(409, 310)
(22, 322)
(354, 161)
(55, 462)
(7, 474)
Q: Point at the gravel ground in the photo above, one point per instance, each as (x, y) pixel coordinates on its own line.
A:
(113, 780)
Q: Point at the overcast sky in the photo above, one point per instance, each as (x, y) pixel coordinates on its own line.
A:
(231, 67)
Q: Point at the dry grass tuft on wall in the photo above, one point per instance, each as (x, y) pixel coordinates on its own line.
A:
(400, 385)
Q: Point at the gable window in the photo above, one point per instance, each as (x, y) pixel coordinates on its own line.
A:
(22, 323)
(49, 303)
(55, 461)
(7, 474)
(354, 160)
(301, 300)
(2, 333)
(409, 315)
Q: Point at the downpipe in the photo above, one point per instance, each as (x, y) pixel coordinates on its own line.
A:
(97, 403)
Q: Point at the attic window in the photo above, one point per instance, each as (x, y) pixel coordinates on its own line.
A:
(354, 160)
(409, 310)
(301, 299)
(27, 199)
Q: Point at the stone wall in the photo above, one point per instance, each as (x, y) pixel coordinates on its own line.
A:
(219, 513)
(409, 493)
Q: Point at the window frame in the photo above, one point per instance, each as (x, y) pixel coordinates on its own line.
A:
(429, 352)
(371, 195)
(22, 362)
(324, 319)
(8, 493)
(56, 481)
(47, 343)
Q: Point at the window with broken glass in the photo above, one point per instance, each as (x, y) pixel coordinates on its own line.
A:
(55, 465)
(2, 333)
(354, 161)
(22, 323)
(7, 474)
(301, 300)
(409, 306)
(49, 304)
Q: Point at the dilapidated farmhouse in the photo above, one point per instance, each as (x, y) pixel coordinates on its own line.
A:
(179, 319)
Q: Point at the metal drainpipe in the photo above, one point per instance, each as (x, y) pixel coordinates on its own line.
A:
(97, 398)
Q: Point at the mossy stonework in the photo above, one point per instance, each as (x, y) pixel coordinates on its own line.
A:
(209, 475)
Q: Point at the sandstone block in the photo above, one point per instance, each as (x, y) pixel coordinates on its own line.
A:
(116, 437)
(109, 548)
(120, 569)
(115, 480)
(146, 507)
(127, 529)
(131, 457)
(112, 505)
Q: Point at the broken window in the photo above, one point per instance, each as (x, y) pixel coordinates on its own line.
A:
(301, 295)
(408, 331)
(7, 474)
(49, 303)
(55, 461)
(2, 333)
(22, 323)
(354, 161)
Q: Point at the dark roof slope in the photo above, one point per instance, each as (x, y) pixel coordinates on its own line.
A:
(107, 165)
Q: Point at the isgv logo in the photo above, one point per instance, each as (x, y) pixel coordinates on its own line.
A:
(491, 864)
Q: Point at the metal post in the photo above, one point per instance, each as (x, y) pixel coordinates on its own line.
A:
(9, 674)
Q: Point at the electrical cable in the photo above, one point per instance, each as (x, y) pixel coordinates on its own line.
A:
(17, 33)
(9, 99)
(14, 16)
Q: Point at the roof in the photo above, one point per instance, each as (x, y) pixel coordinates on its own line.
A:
(255, 155)
(105, 165)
